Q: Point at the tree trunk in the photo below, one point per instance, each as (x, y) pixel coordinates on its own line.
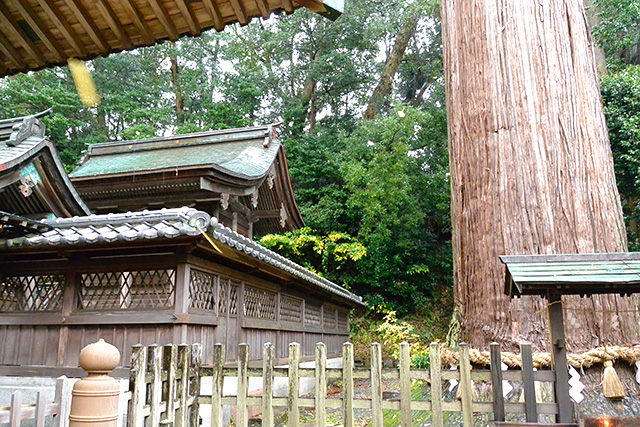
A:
(385, 82)
(531, 165)
(593, 19)
(177, 89)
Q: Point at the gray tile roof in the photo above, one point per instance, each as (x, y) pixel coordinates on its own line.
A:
(165, 223)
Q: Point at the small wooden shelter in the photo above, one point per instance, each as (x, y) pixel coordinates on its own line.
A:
(239, 176)
(551, 277)
(35, 34)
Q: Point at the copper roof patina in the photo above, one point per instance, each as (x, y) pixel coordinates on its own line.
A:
(573, 274)
(238, 152)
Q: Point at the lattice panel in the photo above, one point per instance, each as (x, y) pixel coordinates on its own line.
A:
(127, 290)
(32, 293)
(329, 318)
(222, 300)
(259, 304)
(290, 309)
(343, 320)
(202, 290)
(233, 299)
(312, 314)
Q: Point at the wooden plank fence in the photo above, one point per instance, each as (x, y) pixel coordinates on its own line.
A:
(165, 387)
(58, 409)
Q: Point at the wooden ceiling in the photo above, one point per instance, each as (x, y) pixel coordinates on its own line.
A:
(35, 34)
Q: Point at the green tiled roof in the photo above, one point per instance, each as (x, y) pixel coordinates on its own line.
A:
(239, 152)
(578, 274)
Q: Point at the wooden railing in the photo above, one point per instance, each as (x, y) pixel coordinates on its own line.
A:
(165, 387)
(58, 409)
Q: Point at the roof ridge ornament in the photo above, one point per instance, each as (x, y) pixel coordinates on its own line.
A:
(30, 126)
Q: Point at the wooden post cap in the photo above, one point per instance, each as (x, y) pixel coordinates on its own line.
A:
(99, 358)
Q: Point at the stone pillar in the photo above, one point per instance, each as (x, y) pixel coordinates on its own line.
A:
(95, 398)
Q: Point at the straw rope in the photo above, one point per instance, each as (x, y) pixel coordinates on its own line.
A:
(587, 359)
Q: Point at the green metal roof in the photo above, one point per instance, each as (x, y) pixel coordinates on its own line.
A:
(573, 274)
(246, 153)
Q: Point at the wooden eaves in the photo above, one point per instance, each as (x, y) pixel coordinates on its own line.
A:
(36, 34)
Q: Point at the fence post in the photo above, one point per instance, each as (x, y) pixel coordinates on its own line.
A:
(405, 384)
(155, 361)
(347, 383)
(95, 398)
(137, 386)
(243, 386)
(267, 385)
(194, 389)
(436, 385)
(530, 406)
(16, 409)
(293, 411)
(321, 384)
(184, 357)
(170, 356)
(376, 385)
(216, 385)
(496, 382)
(41, 406)
(466, 390)
(63, 398)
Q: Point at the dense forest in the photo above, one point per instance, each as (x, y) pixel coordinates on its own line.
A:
(364, 125)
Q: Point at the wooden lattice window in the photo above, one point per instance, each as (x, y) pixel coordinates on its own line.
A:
(228, 300)
(32, 293)
(290, 309)
(259, 304)
(149, 289)
(202, 290)
(329, 317)
(312, 314)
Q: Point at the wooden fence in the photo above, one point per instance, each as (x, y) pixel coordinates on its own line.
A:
(58, 409)
(165, 387)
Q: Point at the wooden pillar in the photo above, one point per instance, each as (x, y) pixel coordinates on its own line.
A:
(183, 272)
(68, 304)
(559, 354)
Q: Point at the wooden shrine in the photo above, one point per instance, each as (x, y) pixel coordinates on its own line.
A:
(239, 176)
(33, 183)
(156, 276)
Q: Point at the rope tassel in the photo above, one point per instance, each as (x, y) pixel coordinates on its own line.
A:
(611, 384)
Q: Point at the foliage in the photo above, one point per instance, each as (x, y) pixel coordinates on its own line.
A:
(618, 31)
(333, 255)
(621, 98)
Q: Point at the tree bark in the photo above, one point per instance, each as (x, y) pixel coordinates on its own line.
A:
(531, 166)
(383, 88)
(175, 83)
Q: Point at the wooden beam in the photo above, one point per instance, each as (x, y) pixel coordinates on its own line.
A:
(165, 20)
(139, 21)
(59, 21)
(13, 54)
(87, 23)
(40, 29)
(9, 24)
(313, 5)
(114, 23)
(189, 17)
(263, 7)
(288, 6)
(238, 10)
(212, 7)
